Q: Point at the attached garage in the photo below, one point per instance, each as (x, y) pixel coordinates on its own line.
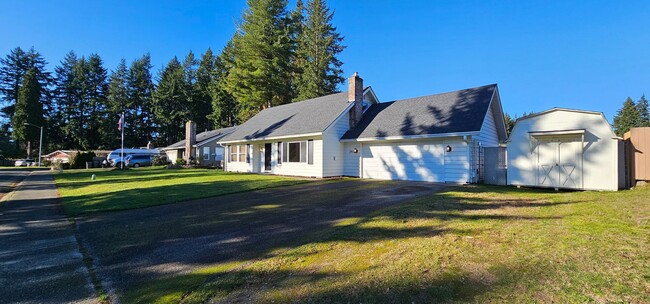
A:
(436, 138)
(564, 148)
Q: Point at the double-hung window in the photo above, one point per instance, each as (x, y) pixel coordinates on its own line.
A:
(238, 153)
(298, 152)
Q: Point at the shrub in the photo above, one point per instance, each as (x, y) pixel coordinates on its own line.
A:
(159, 160)
(79, 160)
(180, 161)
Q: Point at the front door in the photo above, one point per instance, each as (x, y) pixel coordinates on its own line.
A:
(267, 157)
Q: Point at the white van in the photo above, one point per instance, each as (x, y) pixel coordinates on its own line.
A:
(116, 154)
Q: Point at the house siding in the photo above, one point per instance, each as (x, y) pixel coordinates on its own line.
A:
(352, 161)
(256, 154)
(488, 137)
(334, 152)
(456, 161)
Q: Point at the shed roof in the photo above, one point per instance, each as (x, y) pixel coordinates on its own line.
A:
(452, 112)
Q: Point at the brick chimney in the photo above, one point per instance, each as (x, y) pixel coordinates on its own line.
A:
(190, 140)
(355, 94)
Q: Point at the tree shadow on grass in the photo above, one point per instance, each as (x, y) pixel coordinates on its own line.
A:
(258, 225)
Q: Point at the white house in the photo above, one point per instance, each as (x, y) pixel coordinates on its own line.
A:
(432, 138)
(565, 148)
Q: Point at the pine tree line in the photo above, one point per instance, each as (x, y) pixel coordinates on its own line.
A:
(276, 56)
(632, 115)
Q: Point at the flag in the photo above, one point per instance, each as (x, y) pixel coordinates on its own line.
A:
(120, 123)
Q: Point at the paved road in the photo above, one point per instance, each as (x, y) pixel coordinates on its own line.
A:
(137, 246)
(39, 257)
(9, 179)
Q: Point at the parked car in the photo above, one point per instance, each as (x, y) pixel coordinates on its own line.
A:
(138, 160)
(24, 162)
(113, 158)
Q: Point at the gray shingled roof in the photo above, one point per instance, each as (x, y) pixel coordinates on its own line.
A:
(452, 112)
(305, 117)
(201, 137)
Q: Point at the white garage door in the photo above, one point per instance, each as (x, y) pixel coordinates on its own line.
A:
(399, 161)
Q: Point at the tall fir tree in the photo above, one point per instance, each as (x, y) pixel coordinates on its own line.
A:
(202, 100)
(644, 115)
(261, 71)
(318, 46)
(170, 105)
(139, 125)
(117, 102)
(626, 118)
(29, 109)
(224, 107)
(13, 69)
(97, 87)
(65, 101)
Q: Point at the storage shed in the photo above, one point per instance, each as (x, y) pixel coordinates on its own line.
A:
(565, 148)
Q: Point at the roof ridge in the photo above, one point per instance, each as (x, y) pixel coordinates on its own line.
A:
(442, 93)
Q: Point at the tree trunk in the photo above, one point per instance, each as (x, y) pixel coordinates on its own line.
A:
(29, 149)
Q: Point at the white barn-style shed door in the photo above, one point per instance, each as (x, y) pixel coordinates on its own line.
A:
(401, 161)
(559, 163)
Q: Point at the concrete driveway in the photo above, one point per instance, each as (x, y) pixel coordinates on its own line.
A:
(136, 246)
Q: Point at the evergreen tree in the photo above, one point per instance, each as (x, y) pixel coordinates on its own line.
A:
(642, 108)
(13, 69)
(626, 118)
(202, 100)
(224, 107)
(29, 109)
(97, 87)
(260, 74)
(140, 87)
(65, 101)
(318, 45)
(510, 123)
(117, 101)
(170, 105)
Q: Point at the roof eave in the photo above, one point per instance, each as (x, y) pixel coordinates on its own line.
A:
(423, 136)
(270, 138)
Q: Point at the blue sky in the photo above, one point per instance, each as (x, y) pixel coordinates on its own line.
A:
(579, 54)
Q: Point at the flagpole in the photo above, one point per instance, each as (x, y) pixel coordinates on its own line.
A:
(122, 151)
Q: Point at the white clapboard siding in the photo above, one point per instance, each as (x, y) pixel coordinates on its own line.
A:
(488, 137)
(334, 153)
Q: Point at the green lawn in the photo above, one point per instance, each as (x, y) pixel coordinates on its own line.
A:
(471, 244)
(144, 187)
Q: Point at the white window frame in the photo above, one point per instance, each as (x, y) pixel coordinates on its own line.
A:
(237, 153)
(206, 156)
(303, 144)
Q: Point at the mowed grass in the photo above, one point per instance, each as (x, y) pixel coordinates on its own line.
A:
(144, 187)
(471, 244)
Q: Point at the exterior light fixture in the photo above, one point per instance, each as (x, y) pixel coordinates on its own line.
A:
(355, 150)
(448, 148)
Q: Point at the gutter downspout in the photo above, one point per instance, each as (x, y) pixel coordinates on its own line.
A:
(226, 154)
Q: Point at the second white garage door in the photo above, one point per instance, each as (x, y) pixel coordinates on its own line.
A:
(399, 161)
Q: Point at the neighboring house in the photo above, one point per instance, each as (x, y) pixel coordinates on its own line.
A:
(565, 148)
(205, 148)
(433, 138)
(65, 156)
